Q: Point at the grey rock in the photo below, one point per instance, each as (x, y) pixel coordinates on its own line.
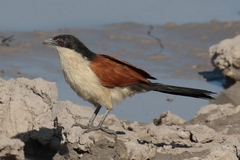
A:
(11, 148)
(30, 111)
(201, 133)
(225, 56)
(169, 119)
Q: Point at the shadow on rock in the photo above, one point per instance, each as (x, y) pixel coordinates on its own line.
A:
(217, 77)
(41, 144)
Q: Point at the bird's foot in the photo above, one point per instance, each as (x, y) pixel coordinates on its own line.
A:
(90, 128)
(104, 129)
(80, 125)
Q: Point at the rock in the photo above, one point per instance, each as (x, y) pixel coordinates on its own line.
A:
(217, 111)
(26, 112)
(169, 119)
(225, 56)
(30, 111)
(24, 106)
(201, 133)
(222, 152)
(167, 134)
(210, 113)
(11, 148)
(230, 95)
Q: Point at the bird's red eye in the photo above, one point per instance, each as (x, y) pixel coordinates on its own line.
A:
(61, 42)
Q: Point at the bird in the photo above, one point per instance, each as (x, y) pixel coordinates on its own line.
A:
(104, 80)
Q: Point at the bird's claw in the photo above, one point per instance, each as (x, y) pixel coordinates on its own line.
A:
(80, 125)
(104, 129)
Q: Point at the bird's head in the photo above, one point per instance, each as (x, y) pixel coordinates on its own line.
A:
(66, 41)
(69, 42)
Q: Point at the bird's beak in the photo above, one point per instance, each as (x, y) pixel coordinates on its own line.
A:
(49, 41)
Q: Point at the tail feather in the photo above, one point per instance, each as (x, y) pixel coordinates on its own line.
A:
(182, 91)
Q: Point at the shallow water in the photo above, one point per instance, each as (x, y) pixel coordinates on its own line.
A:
(27, 15)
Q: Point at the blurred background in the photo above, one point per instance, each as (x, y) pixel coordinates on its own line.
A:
(27, 15)
(169, 39)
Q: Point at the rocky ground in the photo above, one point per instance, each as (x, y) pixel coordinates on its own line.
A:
(41, 126)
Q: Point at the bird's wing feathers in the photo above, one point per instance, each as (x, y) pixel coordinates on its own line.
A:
(113, 72)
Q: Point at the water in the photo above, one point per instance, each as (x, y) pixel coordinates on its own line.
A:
(28, 15)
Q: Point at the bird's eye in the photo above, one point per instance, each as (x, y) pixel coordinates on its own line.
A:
(61, 42)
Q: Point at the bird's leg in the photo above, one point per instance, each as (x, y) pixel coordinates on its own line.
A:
(99, 126)
(89, 127)
(90, 123)
(103, 118)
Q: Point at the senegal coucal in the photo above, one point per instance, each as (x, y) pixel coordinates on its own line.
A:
(104, 80)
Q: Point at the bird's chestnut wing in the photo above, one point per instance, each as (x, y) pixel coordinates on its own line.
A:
(113, 72)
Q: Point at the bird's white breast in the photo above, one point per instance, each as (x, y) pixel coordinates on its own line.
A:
(84, 81)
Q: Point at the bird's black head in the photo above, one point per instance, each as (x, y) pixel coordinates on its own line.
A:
(70, 42)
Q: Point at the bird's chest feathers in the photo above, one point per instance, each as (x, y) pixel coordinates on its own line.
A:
(77, 72)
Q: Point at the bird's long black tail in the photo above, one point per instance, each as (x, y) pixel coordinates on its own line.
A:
(182, 91)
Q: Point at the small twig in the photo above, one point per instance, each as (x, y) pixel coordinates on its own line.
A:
(6, 40)
(156, 38)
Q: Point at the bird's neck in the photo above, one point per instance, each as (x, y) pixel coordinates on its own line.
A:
(69, 57)
(86, 53)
